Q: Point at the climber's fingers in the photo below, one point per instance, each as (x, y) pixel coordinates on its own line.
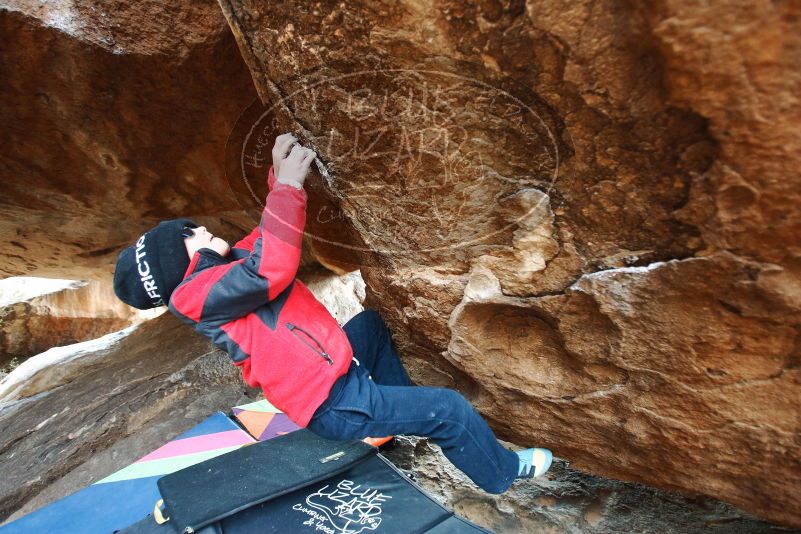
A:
(295, 166)
(284, 138)
(310, 155)
(281, 147)
(298, 153)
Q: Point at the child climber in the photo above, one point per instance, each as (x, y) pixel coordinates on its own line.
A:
(339, 382)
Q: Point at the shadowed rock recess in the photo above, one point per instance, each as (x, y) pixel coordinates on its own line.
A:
(583, 214)
(115, 116)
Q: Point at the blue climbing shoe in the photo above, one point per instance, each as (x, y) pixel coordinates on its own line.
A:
(533, 462)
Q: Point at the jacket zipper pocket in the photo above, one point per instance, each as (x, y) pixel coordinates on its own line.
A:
(321, 351)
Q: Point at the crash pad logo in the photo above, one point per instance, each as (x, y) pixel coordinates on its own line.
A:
(417, 161)
(347, 508)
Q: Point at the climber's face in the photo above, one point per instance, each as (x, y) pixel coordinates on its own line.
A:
(198, 237)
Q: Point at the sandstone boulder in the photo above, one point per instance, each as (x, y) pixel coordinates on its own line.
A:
(67, 312)
(584, 215)
(130, 396)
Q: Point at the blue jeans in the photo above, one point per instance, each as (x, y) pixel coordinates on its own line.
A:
(375, 398)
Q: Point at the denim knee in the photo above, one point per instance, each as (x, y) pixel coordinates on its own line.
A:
(451, 405)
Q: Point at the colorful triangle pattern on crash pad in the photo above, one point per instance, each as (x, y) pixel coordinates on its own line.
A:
(264, 421)
(182, 452)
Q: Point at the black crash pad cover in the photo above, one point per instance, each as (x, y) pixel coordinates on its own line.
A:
(211, 490)
(373, 496)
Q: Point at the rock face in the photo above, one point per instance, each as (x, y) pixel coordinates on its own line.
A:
(582, 214)
(115, 115)
(568, 501)
(79, 312)
(128, 398)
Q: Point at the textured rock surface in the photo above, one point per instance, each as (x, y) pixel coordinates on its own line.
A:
(82, 311)
(581, 214)
(569, 501)
(115, 115)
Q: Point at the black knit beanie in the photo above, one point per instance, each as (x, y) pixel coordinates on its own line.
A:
(148, 271)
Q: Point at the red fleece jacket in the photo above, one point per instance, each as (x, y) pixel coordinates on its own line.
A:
(251, 305)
